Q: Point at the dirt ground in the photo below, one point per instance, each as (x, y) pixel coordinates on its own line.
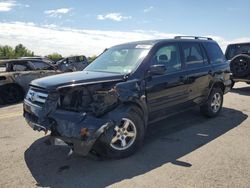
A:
(186, 150)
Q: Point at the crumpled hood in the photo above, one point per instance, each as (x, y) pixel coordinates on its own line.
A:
(75, 78)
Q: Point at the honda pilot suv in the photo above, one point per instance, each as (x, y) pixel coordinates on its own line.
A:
(106, 108)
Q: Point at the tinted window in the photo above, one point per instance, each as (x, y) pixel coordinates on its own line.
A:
(81, 58)
(169, 56)
(214, 52)
(17, 66)
(39, 65)
(192, 55)
(233, 50)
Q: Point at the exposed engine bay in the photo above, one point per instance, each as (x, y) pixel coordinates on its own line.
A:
(97, 99)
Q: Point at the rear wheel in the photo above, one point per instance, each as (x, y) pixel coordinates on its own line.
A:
(12, 94)
(124, 138)
(214, 103)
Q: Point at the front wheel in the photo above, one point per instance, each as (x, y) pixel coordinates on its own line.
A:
(123, 139)
(214, 103)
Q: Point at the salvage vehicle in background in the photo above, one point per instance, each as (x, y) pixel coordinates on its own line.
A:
(16, 74)
(74, 63)
(239, 57)
(45, 59)
(106, 108)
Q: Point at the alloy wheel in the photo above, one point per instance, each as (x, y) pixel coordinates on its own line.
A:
(216, 102)
(124, 135)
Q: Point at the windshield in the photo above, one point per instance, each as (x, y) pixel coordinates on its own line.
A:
(237, 49)
(121, 59)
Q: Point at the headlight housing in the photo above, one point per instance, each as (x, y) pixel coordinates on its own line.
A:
(90, 99)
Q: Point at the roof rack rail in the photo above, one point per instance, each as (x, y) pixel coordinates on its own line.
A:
(194, 37)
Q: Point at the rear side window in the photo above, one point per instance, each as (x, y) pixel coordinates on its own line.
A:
(214, 52)
(236, 49)
(192, 55)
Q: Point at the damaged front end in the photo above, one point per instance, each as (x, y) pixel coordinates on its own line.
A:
(79, 115)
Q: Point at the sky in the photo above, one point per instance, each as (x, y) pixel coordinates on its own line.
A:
(72, 27)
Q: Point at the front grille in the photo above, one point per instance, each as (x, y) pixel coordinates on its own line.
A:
(36, 96)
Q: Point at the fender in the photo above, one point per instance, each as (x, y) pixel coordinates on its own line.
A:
(133, 92)
(216, 82)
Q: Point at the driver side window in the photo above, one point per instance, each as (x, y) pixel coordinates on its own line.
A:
(169, 56)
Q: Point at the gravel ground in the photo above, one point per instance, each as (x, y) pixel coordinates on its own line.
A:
(186, 150)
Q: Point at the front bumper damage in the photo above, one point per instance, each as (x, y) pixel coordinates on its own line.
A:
(68, 125)
(81, 128)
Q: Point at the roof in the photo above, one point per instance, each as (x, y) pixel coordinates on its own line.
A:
(4, 61)
(177, 39)
(34, 57)
(240, 43)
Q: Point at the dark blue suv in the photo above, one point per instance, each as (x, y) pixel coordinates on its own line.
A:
(106, 108)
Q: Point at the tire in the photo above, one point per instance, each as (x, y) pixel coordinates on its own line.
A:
(214, 103)
(240, 65)
(109, 145)
(12, 94)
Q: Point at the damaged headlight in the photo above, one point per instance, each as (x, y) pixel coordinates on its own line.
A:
(93, 99)
(75, 99)
(104, 101)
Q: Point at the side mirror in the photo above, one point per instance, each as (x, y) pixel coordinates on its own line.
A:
(159, 69)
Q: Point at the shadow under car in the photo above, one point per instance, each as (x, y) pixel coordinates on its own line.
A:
(241, 90)
(165, 142)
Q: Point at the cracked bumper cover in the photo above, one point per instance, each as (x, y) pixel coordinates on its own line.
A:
(68, 125)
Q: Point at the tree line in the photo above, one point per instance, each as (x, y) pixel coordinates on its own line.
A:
(8, 52)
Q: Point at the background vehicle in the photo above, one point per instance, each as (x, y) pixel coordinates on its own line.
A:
(239, 56)
(106, 108)
(45, 59)
(74, 63)
(16, 74)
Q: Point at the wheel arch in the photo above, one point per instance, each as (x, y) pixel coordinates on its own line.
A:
(13, 84)
(141, 107)
(215, 84)
(219, 84)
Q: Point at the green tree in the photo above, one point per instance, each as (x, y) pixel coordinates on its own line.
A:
(6, 52)
(55, 56)
(92, 58)
(22, 51)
